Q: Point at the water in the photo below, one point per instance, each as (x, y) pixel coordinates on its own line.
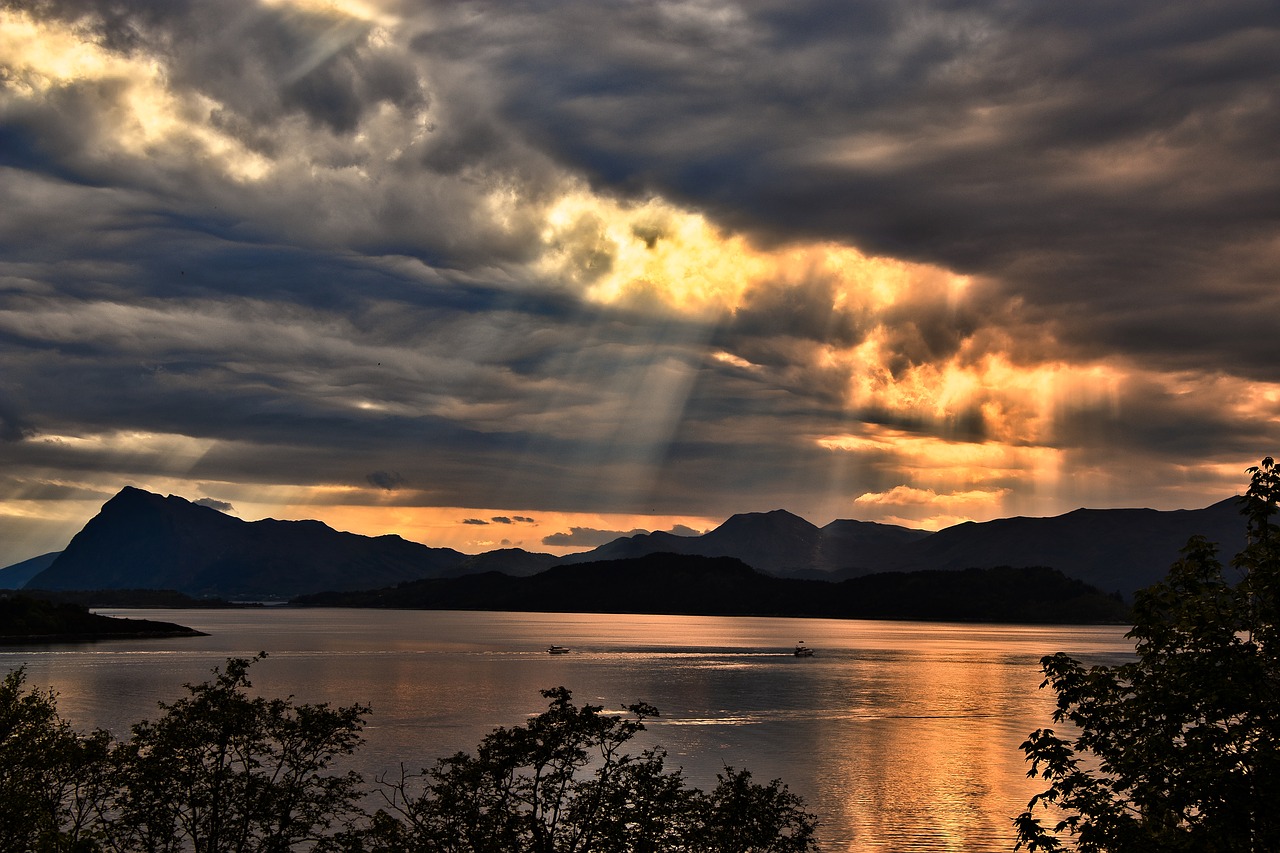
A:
(901, 736)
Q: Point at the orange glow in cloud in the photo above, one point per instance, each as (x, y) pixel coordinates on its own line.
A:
(659, 256)
(945, 482)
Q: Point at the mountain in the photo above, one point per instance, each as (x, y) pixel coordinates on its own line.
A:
(778, 542)
(141, 540)
(17, 575)
(724, 586)
(858, 547)
(1114, 549)
(144, 541)
(516, 562)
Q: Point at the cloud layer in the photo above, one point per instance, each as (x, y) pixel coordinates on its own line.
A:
(916, 262)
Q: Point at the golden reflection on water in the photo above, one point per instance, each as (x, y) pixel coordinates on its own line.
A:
(901, 736)
(936, 770)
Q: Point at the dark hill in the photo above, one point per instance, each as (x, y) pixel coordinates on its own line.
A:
(509, 561)
(24, 619)
(140, 540)
(723, 586)
(655, 583)
(17, 575)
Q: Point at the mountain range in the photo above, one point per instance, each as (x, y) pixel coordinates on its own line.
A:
(725, 586)
(1116, 550)
(141, 540)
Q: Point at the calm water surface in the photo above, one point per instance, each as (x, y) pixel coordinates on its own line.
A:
(901, 736)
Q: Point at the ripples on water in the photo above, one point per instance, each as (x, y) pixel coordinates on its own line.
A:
(901, 736)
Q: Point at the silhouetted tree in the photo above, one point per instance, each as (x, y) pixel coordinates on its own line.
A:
(221, 770)
(563, 784)
(1178, 750)
(52, 782)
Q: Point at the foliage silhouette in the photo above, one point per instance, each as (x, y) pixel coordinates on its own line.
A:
(563, 784)
(222, 771)
(1178, 750)
(50, 779)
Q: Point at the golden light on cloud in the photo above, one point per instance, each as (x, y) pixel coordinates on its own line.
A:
(944, 482)
(177, 452)
(1018, 403)
(650, 253)
(937, 461)
(356, 10)
(658, 255)
(733, 360)
(907, 496)
(987, 424)
(146, 119)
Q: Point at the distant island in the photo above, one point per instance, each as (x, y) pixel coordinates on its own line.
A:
(24, 619)
(723, 586)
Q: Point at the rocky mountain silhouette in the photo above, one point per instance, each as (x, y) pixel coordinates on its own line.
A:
(1116, 550)
(140, 540)
(1113, 549)
(778, 542)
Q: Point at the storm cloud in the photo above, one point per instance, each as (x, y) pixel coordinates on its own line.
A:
(591, 263)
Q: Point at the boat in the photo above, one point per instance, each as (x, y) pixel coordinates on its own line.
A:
(557, 650)
(803, 651)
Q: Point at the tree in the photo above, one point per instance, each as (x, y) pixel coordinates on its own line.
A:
(51, 780)
(1179, 749)
(221, 770)
(740, 816)
(563, 784)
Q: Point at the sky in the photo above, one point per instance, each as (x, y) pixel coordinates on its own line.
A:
(538, 274)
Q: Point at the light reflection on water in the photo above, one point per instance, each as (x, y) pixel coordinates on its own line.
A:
(901, 736)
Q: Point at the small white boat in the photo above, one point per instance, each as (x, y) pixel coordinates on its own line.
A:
(557, 650)
(803, 651)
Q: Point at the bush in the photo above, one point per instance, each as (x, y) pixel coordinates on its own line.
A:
(221, 770)
(1178, 750)
(562, 783)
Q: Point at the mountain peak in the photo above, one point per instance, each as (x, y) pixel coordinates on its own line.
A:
(776, 519)
(141, 540)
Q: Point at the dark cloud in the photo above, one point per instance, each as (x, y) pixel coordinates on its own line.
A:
(261, 62)
(13, 426)
(211, 503)
(386, 480)
(1099, 162)
(589, 537)
(324, 248)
